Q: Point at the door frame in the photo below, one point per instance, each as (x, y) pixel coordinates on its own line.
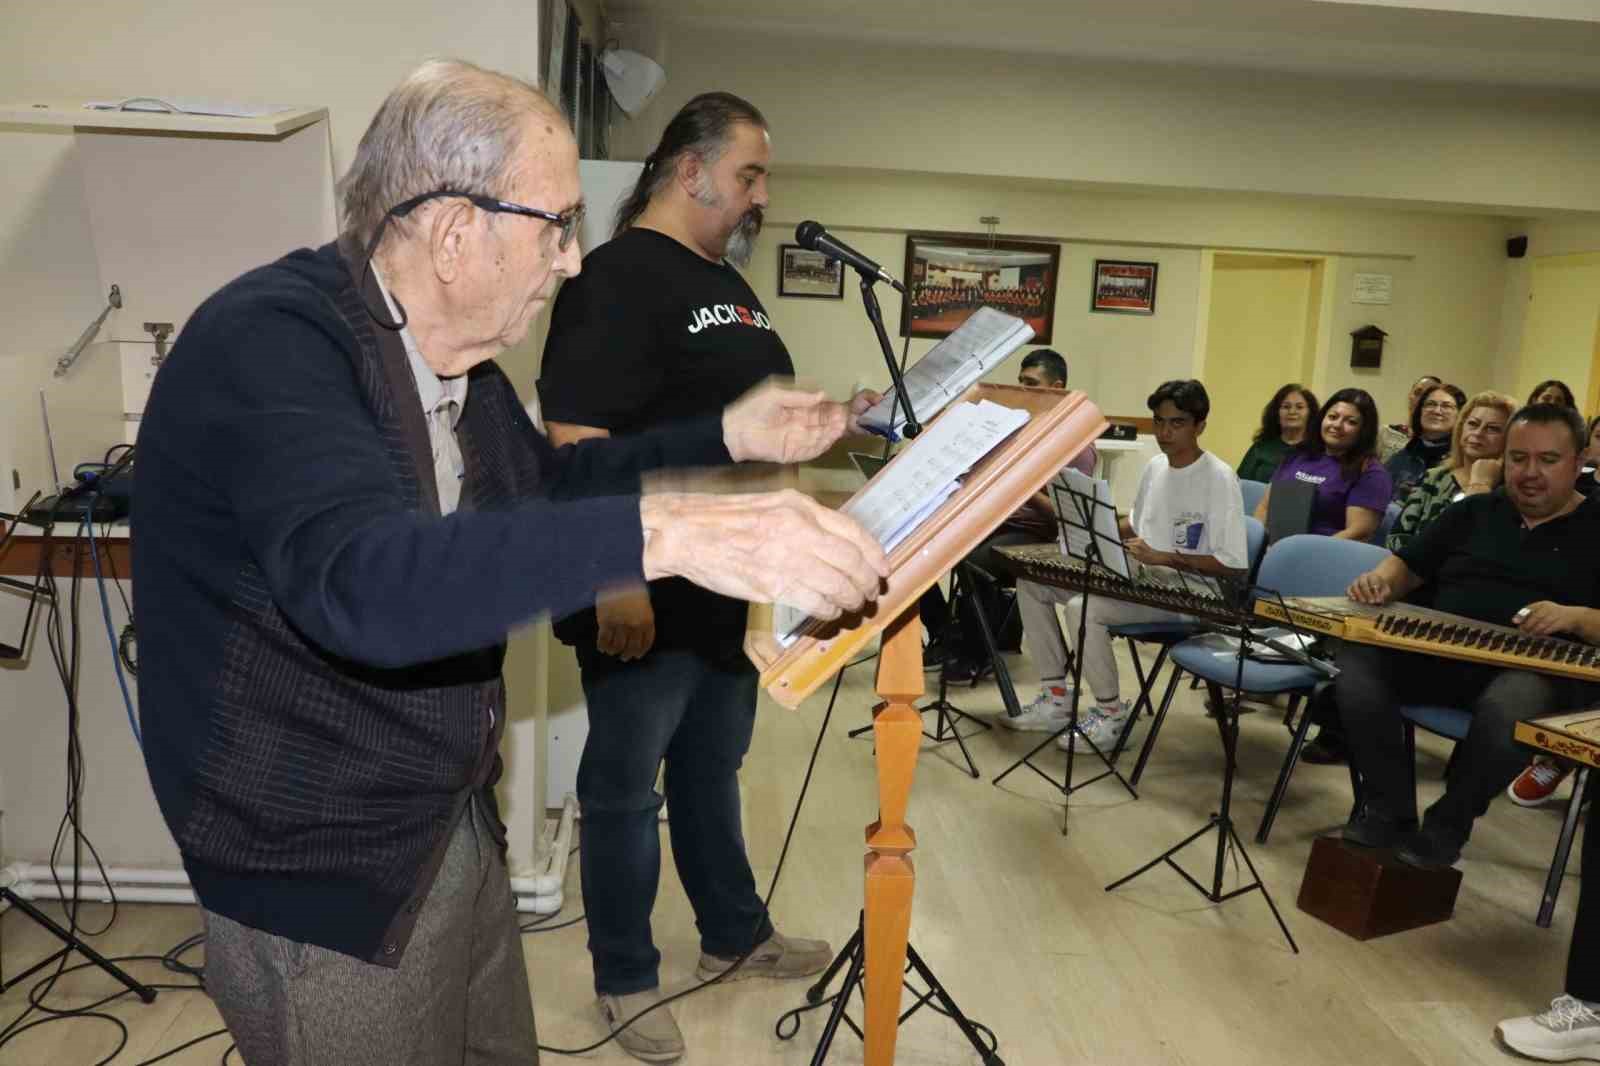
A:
(1319, 309)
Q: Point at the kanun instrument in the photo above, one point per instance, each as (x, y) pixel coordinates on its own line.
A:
(1572, 735)
(1045, 564)
(1421, 629)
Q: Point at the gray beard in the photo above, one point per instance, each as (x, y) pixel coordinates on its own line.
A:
(742, 242)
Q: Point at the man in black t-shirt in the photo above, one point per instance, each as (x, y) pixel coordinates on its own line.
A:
(1523, 555)
(658, 327)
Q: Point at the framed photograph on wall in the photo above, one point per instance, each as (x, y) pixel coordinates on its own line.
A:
(1123, 287)
(950, 275)
(810, 274)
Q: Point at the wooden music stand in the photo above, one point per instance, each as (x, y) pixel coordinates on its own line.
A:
(1063, 424)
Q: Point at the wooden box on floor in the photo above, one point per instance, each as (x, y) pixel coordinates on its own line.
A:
(1366, 893)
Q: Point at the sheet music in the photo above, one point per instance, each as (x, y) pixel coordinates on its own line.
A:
(922, 477)
(1262, 652)
(944, 452)
(1077, 533)
(980, 343)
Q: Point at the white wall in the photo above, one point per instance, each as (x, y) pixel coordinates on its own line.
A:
(1554, 236)
(837, 103)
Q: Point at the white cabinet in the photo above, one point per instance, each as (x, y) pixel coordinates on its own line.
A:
(175, 205)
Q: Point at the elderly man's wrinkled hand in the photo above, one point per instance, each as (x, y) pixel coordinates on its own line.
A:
(780, 547)
(775, 423)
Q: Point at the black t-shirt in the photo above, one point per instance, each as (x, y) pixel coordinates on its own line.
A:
(1479, 561)
(651, 333)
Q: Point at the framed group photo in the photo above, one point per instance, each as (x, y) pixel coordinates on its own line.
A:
(802, 272)
(948, 276)
(1123, 287)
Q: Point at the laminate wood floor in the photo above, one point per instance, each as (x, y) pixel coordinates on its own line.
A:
(1013, 916)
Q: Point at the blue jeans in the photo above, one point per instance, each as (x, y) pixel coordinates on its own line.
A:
(696, 713)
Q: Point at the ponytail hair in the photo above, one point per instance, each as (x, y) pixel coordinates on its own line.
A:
(702, 128)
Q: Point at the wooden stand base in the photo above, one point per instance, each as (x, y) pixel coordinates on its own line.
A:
(1366, 893)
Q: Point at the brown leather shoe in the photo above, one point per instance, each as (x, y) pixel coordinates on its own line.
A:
(778, 956)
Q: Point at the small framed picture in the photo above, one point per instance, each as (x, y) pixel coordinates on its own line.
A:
(802, 272)
(1125, 288)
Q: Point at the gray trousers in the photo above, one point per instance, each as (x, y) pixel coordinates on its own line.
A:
(460, 994)
(1042, 637)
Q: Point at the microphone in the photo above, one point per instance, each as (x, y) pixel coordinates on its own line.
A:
(813, 236)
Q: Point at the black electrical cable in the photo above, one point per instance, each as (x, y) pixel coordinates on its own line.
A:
(171, 960)
(772, 888)
(541, 927)
(111, 567)
(65, 653)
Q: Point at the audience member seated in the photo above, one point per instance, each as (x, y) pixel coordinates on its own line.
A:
(1552, 391)
(1393, 437)
(1432, 421)
(961, 650)
(1352, 492)
(1187, 527)
(1522, 557)
(1472, 466)
(1538, 783)
(1283, 426)
(1591, 459)
(1340, 459)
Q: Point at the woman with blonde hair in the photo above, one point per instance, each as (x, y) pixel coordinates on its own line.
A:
(1472, 465)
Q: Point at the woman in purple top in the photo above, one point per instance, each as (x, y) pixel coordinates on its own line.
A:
(1341, 460)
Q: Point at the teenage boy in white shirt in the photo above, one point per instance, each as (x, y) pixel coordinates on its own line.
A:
(1187, 523)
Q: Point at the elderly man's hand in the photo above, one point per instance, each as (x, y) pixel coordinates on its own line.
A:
(780, 547)
(860, 404)
(777, 424)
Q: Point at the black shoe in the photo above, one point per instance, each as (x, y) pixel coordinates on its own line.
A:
(959, 671)
(1326, 749)
(1369, 829)
(933, 655)
(1429, 849)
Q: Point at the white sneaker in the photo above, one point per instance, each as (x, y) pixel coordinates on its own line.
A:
(1108, 725)
(1045, 714)
(1569, 1030)
(1088, 720)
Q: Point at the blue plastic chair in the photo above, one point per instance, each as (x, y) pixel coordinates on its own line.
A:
(1391, 514)
(1252, 492)
(1166, 636)
(1302, 565)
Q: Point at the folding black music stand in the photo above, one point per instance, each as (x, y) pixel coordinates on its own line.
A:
(1227, 719)
(1076, 513)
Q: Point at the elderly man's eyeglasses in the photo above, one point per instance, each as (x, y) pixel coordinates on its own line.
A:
(567, 222)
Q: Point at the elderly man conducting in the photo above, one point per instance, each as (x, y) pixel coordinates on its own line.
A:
(343, 509)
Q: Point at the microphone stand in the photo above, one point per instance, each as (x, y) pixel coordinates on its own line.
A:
(869, 300)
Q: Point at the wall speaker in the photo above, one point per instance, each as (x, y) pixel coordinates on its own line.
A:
(1516, 247)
